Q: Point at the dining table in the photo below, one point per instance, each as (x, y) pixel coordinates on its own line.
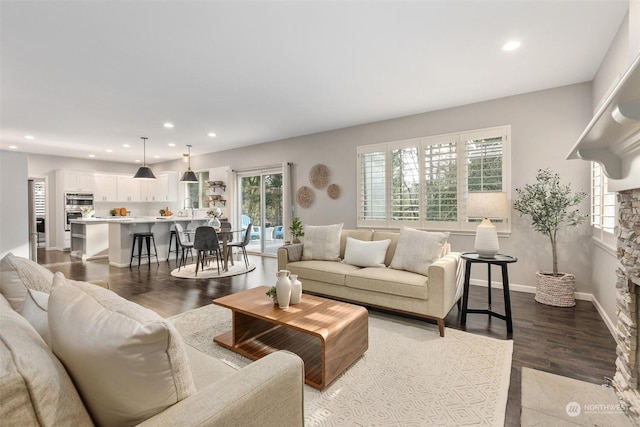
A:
(226, 236)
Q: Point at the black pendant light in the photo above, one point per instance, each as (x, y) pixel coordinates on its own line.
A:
(145, 171)
(189, 175)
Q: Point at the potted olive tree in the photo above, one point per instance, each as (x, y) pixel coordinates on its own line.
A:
(551, 206)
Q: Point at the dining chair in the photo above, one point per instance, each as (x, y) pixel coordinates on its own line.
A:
(206, 242)
(185, 244)
(242, 245)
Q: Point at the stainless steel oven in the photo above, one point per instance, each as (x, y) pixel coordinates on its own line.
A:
(73, 204)
(69, 216)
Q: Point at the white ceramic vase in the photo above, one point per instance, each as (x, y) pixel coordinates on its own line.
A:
(296, 289)
(283, 288)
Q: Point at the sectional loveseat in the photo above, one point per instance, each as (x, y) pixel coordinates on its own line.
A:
(75, 354)
(430, 291)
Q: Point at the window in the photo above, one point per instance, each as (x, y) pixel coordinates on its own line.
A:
(197, 192)
(424, 182)
(603, 206)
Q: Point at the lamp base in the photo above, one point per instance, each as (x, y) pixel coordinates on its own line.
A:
(486, 239)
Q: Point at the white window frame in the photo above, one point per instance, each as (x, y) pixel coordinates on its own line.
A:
(603, 207)
(462, 225)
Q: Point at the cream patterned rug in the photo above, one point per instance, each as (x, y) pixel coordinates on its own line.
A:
(211, 271)
(409, 376)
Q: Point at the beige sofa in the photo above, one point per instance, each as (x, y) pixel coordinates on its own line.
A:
(72, 353)
(431, 296)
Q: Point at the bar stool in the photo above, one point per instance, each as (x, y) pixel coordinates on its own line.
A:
(147, 237)
(173, 235)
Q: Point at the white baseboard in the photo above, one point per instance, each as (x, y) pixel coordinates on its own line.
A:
(582, 296)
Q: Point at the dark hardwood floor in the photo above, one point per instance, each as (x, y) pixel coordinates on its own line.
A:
(573, 342)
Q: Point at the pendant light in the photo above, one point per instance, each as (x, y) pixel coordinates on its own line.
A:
(189, 175)
(145, 171)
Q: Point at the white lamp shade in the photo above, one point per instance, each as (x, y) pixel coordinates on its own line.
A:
(487, 205)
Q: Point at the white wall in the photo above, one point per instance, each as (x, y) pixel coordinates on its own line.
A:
(545, 125)
(623, 49)
(14, 204)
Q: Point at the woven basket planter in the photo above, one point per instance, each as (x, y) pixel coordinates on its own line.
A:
(557, 291)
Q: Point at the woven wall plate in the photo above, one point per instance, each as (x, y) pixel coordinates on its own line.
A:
(333, 191)
(319, 176)
(304, 196)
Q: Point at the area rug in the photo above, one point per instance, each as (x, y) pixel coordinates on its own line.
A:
(211, 271)
(409, 376)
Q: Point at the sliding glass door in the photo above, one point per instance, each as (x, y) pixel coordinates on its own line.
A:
(261, 208)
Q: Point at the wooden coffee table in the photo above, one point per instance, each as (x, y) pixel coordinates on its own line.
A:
(328, 335)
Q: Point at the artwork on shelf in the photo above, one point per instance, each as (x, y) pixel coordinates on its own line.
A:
(333, 191)
(319, 176)
(304, 196)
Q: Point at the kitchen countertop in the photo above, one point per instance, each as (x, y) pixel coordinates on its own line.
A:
(134, 220)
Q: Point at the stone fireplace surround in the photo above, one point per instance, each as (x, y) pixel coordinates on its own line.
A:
(627, 377)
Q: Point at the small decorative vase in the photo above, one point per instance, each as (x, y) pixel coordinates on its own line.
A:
(214, 222)
(296, 289)
(283, 288)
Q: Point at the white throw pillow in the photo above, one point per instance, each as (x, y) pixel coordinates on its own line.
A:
(365, 253)
(35, 311)
(417, 250)
(127, 362)
(322, 242)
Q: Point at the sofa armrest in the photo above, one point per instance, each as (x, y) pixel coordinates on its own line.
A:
(443, 281)
(289, 253)
(268, 392)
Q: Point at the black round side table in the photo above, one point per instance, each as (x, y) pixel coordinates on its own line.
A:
(499, 260)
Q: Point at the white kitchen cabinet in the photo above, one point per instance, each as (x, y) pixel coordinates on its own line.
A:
(128, 189)
(163, 189)
(75, 180)
(106, 188)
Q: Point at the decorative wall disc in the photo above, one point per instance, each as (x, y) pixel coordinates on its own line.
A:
(319, 176)
(333, 191)
(304, 196)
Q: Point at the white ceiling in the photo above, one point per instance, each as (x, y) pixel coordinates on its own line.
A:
(84, 77)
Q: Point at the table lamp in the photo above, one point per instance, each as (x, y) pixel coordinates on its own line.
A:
(487, 205)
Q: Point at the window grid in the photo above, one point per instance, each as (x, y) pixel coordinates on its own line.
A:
(424, 182)
(603, 202)
(373, 186)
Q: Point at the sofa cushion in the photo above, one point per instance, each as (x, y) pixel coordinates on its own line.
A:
(127, 362)
(365, 254)
(17, 275)
(322, 242)
(417, 250)
(389, 281)
(322, 271)
(35, 311)
(35, 389)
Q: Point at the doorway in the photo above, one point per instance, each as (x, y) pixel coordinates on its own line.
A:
(261, 207)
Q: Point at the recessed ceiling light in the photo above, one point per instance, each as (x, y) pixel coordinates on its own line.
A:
(171, 144)
(156, 157)
(126, 145)
(29, 137)
(168, 125)
(137, 161)
(512, 45)
(92, 155)
(109, 150)
(211, 135)
(13, 147)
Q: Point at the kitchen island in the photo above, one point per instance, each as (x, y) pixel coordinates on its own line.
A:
(93, 238)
